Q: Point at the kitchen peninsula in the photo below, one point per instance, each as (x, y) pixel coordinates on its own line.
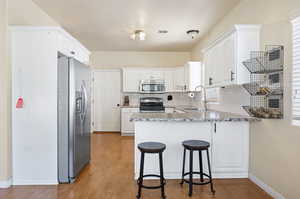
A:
(228, 134)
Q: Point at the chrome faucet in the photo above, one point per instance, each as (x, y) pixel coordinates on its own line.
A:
(203, 93)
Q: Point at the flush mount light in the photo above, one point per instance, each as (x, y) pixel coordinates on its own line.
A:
(192, 33)
(138, 35)
(163, 31)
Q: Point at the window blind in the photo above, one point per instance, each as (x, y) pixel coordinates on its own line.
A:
(296, 72)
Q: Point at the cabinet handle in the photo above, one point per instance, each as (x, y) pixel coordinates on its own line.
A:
(73, 52)
(210, 81)
(215, 127)
(232, 75)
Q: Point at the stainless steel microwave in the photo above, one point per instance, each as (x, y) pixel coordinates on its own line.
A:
(152, 86)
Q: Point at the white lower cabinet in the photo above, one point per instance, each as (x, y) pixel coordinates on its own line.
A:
(230, 149)
(127, 127)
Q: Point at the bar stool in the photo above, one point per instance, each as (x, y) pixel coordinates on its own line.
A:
(151, 147)
(196, 145)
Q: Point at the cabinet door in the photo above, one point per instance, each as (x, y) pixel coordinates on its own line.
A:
(169, 80)
(230, 148)
(179, 81)
(187, 77)
(127, 125)
(209, 67)
(65, 46)
(229, 58)
(131, 80)
(152, 73)
(218, 73)
(193, 75)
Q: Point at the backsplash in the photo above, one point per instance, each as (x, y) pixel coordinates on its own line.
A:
(231, 100)
(179, 99)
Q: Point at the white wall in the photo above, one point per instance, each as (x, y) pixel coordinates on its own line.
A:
(117, 59)
(5, 153)
(26, 12)
(12, 12)
(274, 143)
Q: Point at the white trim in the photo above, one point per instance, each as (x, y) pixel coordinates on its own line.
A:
(265, 187)
(237, 27)
(5, 183)
(35, 182)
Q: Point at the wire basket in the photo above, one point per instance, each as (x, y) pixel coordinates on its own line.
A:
(266, 82)
(268, 61)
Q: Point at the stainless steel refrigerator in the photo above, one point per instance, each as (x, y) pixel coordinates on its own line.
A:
(74, 118)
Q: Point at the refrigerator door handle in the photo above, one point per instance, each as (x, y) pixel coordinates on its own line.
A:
(85, 100)
(79, 105)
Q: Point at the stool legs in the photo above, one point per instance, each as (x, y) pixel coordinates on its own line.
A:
(191, 174)
(209, 170)
(140, 179)
(201, 166)
(161, 175)
(183, 167)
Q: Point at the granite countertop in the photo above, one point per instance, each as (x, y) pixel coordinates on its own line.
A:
(130, 106)
(138, 106)
(192, 116)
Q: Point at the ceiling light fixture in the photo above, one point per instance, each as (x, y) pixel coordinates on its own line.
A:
(138, 35)
(162, 31)
(193, 33)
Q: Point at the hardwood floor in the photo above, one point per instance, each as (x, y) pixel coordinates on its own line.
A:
(110, 176)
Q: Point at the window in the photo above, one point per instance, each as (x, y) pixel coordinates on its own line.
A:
(296, 72)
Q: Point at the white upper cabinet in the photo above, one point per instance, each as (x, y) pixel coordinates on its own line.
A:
(168, 76)
(177, 79)
(70, 47)
(193, 75)
(131, 80)
(223, 59)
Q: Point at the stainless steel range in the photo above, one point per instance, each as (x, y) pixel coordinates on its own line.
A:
(151, 104)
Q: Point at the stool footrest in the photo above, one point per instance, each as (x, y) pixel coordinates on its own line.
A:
(151, 187)
(197, 183)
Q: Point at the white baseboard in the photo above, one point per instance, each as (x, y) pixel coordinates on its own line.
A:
(34, 182)
(266, 187)
(5, 183)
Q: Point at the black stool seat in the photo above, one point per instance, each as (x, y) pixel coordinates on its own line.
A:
(196, 144)
(151, 147)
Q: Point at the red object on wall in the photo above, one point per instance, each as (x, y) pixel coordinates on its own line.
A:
(20, 103)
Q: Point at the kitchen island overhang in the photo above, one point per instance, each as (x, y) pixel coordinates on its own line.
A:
(227, 133)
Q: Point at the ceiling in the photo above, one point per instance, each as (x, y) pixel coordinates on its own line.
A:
(105, 25)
